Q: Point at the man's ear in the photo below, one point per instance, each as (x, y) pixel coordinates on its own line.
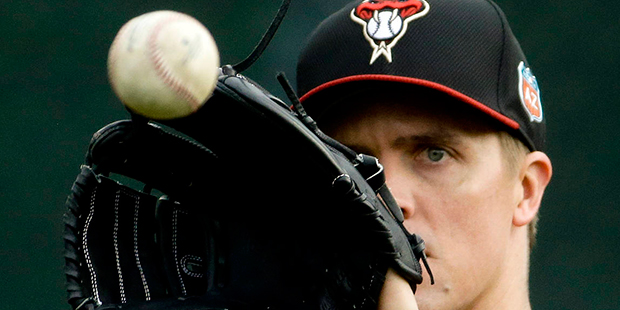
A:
(535, 175)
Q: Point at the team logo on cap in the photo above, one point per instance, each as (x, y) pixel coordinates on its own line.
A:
(385, 22)
(530, 93)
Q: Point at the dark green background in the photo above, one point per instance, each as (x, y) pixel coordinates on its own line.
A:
(54, 95)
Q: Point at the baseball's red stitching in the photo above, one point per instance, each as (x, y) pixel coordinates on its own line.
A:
(162, 69)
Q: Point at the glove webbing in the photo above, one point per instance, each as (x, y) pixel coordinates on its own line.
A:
(125, 246)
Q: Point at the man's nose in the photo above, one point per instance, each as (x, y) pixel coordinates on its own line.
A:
(400, 185)
(403, 200)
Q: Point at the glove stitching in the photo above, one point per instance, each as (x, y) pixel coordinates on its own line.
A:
(370, 285)
(147, 292)
(174, 249)
(93, 275)
(184, 265)
(121, 284)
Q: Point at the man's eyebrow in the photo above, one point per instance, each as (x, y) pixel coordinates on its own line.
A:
(434, 137)
(427, 138)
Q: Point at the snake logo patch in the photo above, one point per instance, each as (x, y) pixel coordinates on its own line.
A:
(385, 22)
(530, 93)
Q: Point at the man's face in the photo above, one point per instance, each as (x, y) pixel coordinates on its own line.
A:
(450, 177)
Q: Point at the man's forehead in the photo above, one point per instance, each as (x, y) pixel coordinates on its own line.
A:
(428, 136)
(409, 104)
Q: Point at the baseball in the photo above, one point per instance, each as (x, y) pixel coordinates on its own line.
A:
(163, 65)
(384, 25)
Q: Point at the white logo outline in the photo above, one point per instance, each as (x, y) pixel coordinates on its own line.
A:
(382, 48)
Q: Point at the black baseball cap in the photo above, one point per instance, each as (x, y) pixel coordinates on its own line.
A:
(463, 48)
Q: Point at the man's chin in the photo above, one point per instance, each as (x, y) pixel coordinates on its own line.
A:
(436, 296)
(431, 298)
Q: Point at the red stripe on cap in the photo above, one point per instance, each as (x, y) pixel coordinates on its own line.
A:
(391, 78)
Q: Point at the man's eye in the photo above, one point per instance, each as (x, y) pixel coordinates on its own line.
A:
(435, 155)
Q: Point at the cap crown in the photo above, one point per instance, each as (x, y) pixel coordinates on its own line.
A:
(464, 48)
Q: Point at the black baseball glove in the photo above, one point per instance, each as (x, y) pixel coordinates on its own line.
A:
(242, 205)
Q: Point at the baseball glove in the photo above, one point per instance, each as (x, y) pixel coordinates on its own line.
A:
(244, 204)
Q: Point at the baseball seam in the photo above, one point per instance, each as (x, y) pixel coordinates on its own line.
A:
(389, 24)
(162, 69)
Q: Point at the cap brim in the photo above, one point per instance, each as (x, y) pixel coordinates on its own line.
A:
(412, 81)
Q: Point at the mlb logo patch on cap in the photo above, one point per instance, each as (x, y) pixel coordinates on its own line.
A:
(530, 93)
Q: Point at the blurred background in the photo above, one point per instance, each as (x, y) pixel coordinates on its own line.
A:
(54, 95)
